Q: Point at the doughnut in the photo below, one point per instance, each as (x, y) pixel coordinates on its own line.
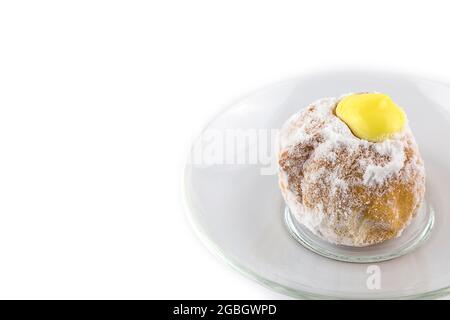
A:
(350, 170)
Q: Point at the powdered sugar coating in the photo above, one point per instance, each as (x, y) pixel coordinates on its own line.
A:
(348, 190)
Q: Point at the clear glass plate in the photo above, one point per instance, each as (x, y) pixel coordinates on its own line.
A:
(236, 206)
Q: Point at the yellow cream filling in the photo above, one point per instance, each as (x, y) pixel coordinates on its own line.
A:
(371, 116)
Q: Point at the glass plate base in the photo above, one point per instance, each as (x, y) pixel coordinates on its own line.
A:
(412, 237)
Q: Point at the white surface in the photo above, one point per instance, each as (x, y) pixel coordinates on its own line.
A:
(100, 99)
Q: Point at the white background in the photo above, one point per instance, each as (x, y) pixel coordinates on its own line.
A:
(99, 101)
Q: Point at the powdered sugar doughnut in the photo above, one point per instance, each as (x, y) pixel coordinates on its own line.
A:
(344, 189)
